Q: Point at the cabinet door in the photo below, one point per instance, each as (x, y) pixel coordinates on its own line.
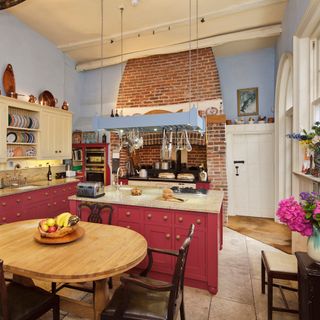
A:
(160, 237)
(130, 217)
(63, 136)
(12, 209)
(196, 262)
(56, 135)
(3, 130)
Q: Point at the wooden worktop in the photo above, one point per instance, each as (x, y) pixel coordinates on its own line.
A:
(152, 197)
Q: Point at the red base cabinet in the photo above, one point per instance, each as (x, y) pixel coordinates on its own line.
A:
(166, 229)
(42, 203)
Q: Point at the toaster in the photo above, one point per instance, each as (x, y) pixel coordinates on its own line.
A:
(90, 189)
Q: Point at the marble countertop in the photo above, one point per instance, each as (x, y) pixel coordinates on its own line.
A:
(152, 197)
(36, 185)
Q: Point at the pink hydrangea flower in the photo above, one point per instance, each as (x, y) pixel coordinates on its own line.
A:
(291, 213)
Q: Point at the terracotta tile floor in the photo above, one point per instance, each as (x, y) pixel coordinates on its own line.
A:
(239, 296)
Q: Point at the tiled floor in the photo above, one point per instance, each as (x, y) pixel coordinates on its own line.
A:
(239, 296)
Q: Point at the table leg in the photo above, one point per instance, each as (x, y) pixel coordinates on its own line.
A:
(101, 297)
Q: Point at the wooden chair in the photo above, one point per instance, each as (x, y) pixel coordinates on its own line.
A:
(91, 213)
(278, 265)
(140, 297)
(19, 302)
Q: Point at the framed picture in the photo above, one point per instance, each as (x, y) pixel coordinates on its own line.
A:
(248, 102)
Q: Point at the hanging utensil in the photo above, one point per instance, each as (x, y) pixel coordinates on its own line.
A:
(164, 145)
(188, 144)
(170, 145)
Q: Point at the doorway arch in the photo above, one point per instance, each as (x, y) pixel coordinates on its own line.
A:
(283, 126)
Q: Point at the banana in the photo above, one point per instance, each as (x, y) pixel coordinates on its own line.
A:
(66, 219)
(63, 218)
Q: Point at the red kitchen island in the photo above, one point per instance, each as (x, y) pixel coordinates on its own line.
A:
(165, 225)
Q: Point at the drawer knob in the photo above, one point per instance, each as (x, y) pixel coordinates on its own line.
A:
(168, 236)
(55, 203)
(198, 221)
(4, 219)
(49, 205)
(180, 219)
(165, 218)
(55, 191)
(64, 201)
(46, 193)
(149, 216)
(177, 237)
(18, 200)
(18, 214)
(128, 213)
(128, 227)
(4, 204)
(29, 198)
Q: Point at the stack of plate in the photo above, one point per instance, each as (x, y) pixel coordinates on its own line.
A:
(166, 175)
(185, 176)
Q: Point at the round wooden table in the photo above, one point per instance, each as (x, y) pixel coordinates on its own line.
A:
(102, 252)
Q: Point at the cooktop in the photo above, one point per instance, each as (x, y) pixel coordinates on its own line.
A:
(188, 190)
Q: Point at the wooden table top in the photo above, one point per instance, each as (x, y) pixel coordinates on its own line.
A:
(102, 252)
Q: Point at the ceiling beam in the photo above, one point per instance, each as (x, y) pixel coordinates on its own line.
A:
(233, 9)
(260, 32)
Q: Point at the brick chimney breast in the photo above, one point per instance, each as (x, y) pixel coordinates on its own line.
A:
(165, 79)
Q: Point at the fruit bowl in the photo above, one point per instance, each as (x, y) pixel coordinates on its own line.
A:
(58, 233)
(59, 226)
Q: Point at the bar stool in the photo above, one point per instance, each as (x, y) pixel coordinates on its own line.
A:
(282, 266)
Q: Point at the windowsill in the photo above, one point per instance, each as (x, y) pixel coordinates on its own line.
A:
(307, 176)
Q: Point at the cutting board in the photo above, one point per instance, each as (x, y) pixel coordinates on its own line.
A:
(9, 84)
(75, 235)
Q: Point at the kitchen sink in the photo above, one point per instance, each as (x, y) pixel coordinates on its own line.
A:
(26, 187)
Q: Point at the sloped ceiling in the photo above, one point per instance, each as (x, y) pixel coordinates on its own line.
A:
(153, 26)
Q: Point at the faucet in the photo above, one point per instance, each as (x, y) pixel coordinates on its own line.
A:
(15, 180)
(118, 176)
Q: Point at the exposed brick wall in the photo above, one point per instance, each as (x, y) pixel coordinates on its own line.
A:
(164, 79)
(216, 159)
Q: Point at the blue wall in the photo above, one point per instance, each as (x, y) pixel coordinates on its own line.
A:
(247, 70)
(90, 104)
(294, 12)
(37, 64)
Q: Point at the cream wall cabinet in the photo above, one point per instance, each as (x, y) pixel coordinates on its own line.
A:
(56, 135)
(3, 133)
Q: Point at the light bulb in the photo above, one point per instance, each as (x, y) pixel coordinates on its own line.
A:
(134, 2)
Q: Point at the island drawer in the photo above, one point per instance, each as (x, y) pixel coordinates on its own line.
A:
(186, 219)
(164, 217)
(129, 213)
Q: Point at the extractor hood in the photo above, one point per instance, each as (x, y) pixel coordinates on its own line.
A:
(189, 120)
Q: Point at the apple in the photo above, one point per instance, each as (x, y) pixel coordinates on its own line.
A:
(51, 222)
(52, 229)
(44, 227)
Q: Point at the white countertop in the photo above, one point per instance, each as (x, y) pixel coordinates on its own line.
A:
(36, 185)
(152, 197)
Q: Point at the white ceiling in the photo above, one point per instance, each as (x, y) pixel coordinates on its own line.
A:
(153, 26)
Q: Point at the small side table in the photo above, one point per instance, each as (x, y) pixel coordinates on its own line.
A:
(309, 287)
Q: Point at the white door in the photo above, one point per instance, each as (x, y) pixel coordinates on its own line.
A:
(252, 174)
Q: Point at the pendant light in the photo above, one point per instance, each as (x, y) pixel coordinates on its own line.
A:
(5, 4)
(101, 57)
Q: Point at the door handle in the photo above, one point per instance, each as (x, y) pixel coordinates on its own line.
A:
(237, 172)
(238, 161)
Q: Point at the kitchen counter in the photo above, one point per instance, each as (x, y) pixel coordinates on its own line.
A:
(36, 185)
(152, 197)
(165, 224)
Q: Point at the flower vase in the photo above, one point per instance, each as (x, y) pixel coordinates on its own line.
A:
(314, 245)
